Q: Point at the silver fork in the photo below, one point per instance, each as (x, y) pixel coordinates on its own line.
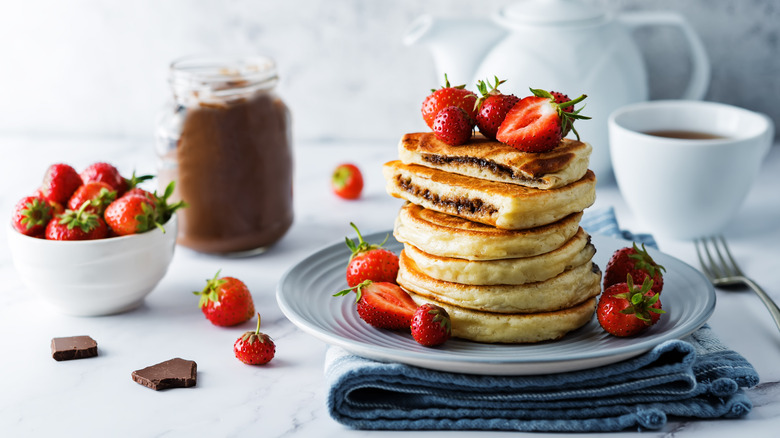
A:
(719, 266)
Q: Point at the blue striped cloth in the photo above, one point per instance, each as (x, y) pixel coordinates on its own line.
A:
(697, 377)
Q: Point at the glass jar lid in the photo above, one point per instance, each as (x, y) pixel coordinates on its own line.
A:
(220, 77)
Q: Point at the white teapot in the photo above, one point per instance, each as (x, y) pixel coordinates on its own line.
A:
(560, 45)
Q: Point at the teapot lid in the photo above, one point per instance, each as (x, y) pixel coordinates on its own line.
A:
(549, 12)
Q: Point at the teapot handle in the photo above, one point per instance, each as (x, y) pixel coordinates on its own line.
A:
(700, 74)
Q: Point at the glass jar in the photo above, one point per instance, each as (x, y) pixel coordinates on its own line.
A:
(226, 141)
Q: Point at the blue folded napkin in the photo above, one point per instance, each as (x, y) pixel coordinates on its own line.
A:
(697, 377)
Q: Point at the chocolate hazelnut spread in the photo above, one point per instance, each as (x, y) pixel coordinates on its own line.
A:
(231, 156)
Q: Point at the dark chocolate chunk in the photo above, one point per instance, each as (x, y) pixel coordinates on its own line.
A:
(73, 347)
(174, 373)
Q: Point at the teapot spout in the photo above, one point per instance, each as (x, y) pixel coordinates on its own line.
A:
(458, 45)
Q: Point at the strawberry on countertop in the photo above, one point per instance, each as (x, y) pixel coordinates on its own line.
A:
(226, 301)
(370, 262)
(537, 123)
(383, 305)
(347, 181)
(254, 348)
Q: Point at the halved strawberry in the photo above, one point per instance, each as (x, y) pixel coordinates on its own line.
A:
(449, 96)
(537, 123)
(492, 107)
(383, 305)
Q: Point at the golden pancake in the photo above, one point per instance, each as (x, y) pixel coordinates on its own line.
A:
(575, 252)
(514, 328)
(496, 161)
(450, 236)
(564, 290)
(506, 206)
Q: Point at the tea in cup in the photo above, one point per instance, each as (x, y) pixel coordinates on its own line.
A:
(685, 167)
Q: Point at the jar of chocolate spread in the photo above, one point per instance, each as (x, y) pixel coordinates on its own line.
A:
(226, 141)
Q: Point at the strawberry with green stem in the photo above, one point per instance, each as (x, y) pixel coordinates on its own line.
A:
(447, 96)
(626, 310)
(226, 301)
(431, 325)
(254, 347)
(369, 261)
(31, 214)
(492, 107)
(383, 305)
(76, 225)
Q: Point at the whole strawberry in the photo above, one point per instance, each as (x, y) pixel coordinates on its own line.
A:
(97, 194)
(626, 310)
(453, 126)
(31, 214)
(370, 262)
(431, 325)
(131, 215)
(59, 183)
(635, 262)
(76, 225)
(449, 96)
(254, 348)
(536, 123)
(347, 181)
(383, 305)
(493, 107)
(226, 301)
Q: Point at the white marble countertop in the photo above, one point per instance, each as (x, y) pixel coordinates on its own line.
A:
(96, 397)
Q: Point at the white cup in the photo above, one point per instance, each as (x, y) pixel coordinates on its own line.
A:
(686, 188)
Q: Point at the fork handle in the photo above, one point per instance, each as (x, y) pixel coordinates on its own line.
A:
(770, 305)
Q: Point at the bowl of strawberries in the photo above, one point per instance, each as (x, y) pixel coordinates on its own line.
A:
(92, 243)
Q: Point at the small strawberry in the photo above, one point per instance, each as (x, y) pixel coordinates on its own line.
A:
(141, 192)
(634, 262)
(559, 99)
(537, 123)
(347, 181)
(626, 310)
(453, 126)
(98, 194)
(431, 325)
(493, 107)
(131, 215)
(31, 214)
(76, 225)
(254, 348)
(449, 96)
(370, 262)
(226, 301)
(383, 305)
(59, 183)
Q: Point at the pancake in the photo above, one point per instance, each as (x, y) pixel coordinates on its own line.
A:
(514, 328)
(502, 205)
(564, 290)
(496, 161)
(450, 236)
(574, 252)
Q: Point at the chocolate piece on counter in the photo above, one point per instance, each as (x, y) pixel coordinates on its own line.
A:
(73, 347)
(174, 373)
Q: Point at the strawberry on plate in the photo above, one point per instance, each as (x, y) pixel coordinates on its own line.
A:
(492, 107)
(254, 348)
(59, 183)
(98, 195)
(76, 225)
(431, 325)
(626, 310)
(31, 215)
(536, 123)
(446, 96)
(370, 262)
(383, 305)
(453, 126)
(226, 301)
(347, 181)
(635, 262)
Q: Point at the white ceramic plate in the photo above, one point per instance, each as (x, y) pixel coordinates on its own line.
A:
(305, 296)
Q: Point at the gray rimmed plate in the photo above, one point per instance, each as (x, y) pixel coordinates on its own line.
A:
(305, 296)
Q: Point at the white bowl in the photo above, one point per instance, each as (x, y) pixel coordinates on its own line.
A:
(94, 277)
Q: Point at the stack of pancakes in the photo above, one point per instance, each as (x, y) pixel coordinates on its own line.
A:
(492, 235)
